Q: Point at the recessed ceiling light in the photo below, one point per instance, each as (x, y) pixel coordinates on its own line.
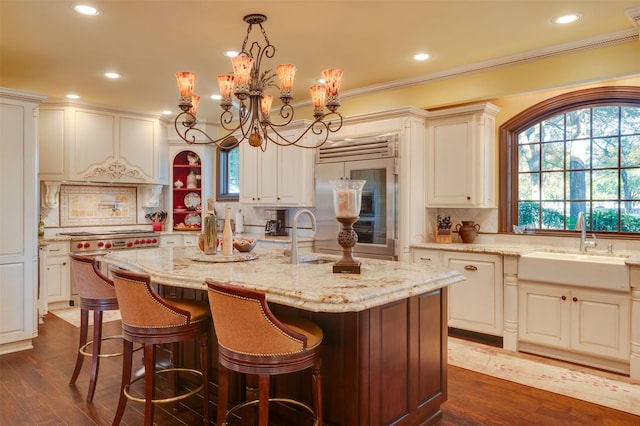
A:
(112, 75)
(231, 53)
(85, 9)
(73, 96)
(567, 19)
(216, 97)
(421, 56)
(167, 112)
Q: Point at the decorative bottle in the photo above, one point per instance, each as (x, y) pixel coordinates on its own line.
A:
(210, 233)
(192, 181)
(227, 236)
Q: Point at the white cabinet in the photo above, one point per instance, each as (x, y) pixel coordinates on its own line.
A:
(279, 176)
(460, 157)
(58, 273)
(19, 219)
(475, 304)
(588, 321)
(190, 240)
(171, 240)
(98, 145)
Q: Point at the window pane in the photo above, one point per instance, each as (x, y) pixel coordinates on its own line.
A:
(578, 185)
(605, 217)
(605, 185)
(553, 156)
(630, 151)
(630, 121)
(553, 215)
(579, 154)
(630, 184)
(573, 209)
(233, 159)
(528, 214)
(579, 124)
(630, 219)
(532, 134)
(553, 129)
(529, 186)
(605, 153)
(529, 158)
(553, 186)
(605, 121)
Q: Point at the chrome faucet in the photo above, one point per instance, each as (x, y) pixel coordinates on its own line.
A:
(582, 227)
(294, 232)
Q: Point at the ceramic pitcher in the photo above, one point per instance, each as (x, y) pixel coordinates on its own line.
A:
(468, 230)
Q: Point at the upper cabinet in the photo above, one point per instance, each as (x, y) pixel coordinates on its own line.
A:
(279, 176)
(460, 157)
(98, 145)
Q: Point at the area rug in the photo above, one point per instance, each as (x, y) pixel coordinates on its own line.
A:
(72, 316)
(595, 386)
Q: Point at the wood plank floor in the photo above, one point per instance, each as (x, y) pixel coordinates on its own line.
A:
(34, 390)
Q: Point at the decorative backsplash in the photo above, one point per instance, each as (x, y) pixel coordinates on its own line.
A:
(97, 205)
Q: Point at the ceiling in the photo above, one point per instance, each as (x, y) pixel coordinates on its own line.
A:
(47, 48)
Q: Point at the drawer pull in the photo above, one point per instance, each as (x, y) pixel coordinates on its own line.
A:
(470, 268)
(52, 250)
(426, 258)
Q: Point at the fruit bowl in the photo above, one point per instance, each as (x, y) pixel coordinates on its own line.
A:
(244, 246)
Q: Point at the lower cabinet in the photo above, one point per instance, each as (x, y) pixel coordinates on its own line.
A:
(589, 321)
(475, 304)
(58, 272)
(171, 240)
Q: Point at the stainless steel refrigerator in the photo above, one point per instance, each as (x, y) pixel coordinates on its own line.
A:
(373, 159)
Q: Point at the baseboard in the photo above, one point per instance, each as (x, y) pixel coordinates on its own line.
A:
(474, 336)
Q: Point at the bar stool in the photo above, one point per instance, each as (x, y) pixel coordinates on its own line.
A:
(96, 294)
(150, 319)
(251, 340)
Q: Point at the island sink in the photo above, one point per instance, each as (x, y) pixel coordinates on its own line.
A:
(585, 270)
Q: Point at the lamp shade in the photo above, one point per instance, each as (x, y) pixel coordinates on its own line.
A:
(225, 82)
(186, 83)
(242, 69)
(347, 197)
(332, 81)
(286, 74)
(195, 101)
(265, 104)
(318, 94)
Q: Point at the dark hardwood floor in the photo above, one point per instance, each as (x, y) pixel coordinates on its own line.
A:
(34, 390)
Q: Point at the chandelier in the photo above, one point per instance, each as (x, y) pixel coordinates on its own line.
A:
(248, 83)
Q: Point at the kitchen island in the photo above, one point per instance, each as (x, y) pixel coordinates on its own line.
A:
(384, 355)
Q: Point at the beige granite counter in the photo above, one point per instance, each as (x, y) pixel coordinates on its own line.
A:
(311, 287)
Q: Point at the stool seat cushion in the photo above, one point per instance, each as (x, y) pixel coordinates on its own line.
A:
(199, 311)
(303, 326)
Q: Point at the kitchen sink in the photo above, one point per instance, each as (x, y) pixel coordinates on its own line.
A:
(585, 270)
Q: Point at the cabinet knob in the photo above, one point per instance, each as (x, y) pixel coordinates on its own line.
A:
(468, 197)
(64, 263)
(470, 268)
(575, 299)
(564, 297)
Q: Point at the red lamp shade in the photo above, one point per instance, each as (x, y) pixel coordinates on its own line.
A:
(186, 83)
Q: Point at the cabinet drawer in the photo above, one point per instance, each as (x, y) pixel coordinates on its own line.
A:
(58, 248)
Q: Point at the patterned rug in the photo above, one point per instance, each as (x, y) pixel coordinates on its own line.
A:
(595, 386)
(72, 316)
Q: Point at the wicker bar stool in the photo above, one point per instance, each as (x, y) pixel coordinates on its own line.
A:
(150, 319)
(251, 340)
(97, 294)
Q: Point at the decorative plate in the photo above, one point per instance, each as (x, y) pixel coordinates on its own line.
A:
(191, 200)
(192, 219)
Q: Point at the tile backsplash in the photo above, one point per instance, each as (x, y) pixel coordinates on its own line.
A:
(97, 205)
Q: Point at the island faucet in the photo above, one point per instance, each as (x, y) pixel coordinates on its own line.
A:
(582, 227)
(294, 231)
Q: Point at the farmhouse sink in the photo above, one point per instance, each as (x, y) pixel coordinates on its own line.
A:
(585, 270)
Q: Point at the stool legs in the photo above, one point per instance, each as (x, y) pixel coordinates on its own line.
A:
(127, 361)
(149, 381)
(263, 397)
(95, 349)
(223, 394)
(316, 389)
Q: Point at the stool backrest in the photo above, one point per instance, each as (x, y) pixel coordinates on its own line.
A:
(141, 306)
(244, 323)
(90, 282)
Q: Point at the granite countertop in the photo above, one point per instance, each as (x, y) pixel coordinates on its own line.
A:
(311, 287)
(505, 249)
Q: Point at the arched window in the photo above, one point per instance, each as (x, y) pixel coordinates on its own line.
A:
(577, 152)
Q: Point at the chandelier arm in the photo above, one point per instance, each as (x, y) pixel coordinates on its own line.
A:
(319, 127)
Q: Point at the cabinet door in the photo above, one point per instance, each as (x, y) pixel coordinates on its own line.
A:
(94, 141)
(171, 240)
(58, 279)
(249, 173)
(600, 323)
(476, 303)
(295, 176)
(268, 174)
(450, 151)
(137, 144)
(544, 314)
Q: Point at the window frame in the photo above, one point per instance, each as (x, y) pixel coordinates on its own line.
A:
(508, 145)
(222, 174)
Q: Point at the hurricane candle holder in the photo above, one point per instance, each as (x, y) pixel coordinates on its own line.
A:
(347, 197)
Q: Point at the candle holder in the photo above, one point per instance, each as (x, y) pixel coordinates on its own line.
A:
(347, 197)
